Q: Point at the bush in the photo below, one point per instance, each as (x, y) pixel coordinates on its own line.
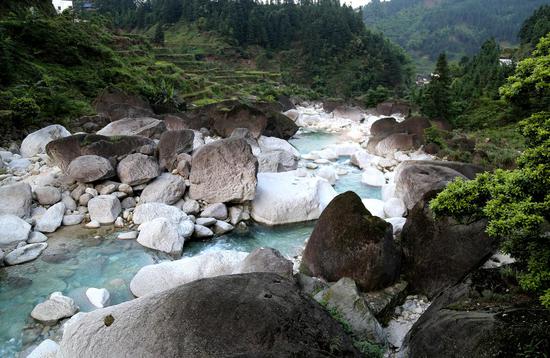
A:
(516, 204)
(25, 110)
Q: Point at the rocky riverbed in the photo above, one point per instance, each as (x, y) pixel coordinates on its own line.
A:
(146, 205)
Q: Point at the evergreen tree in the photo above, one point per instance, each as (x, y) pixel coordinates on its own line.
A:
(158, 39)
(437, 97)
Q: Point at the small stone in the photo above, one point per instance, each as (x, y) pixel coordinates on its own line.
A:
(47, 195)
(190, 206)
(311, 166)
(36, 237)
(99, 297)
(73, 219)
(131, 235)
(92, 225)
(206, 221)
(104, 209)
(119, 222)
(92, 192)
(125, 188)
(84, 199)
(221, 227)
(202, 232)
(217, 211)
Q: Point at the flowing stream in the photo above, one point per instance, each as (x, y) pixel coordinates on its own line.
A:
(83, 259)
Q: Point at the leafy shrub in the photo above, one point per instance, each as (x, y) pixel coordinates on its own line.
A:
(516, 204)
(25, 110)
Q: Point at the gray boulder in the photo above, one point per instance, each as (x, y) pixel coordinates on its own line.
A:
(35, 143)
(25, 253)
(47, 195)
(150, 211)
(51, 219)
(173, 143)
(167, 189)
(415, 178)
(16, 199)
(216, 211)
(137, 169)
(224, 171)
(36, 237)
(90, 168)
(346, 299)
(144, 126)
(161, 234)
(267, 260)
(262, 322)
(54, 309)
(104, 209)
(13, 230)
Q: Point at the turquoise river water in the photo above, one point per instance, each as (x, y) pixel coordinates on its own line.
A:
(78, 259)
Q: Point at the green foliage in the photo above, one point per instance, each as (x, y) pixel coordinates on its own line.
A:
(516, 204)
(60, 64)
(436, 100)
(375, 96)
(369, 349)
(535, 27)
(529, 87)
(322, 44)
(158, 39)
(25, 111)
(457, 27)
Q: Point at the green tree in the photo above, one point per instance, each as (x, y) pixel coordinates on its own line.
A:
(535, 27)
(436, 102)
(516, 203)
(529, 87)
(158, 39)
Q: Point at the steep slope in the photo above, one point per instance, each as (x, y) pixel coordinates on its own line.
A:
(426, 28)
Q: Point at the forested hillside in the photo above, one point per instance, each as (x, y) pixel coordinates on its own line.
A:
(425, 28)
(320, 44)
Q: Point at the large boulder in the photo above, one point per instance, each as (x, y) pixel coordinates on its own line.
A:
(266, 260)
(224, 171)
(166, 275)
(348, 241)
(143, 126)
(439, 252)
(64, 150)
(150, 211)
(277, 155)
(284, 198)
(13, 230)
(116, 104)
(345, 298)
(167, 188)
(16, 199)
(482, 316)
(388, 108)
(90, 168)
(35, 143)
(389, 136)
(51, 219)
(137, 169)
(279, 125)
(104, 209)
(415, 178)
(161, 234)
(47, 195)
(173, 143)
(268, 316)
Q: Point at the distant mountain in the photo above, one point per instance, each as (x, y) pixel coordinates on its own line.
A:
(426, 28)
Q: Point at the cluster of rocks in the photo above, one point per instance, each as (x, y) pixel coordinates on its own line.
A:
(198, 185)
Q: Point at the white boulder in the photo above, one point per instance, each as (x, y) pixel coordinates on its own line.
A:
(54, 309)
(150, 211)
(375, 207)
(46, 349)
(99, 297)
(35, 143)
(161, 234)
(283, 198)
(166, 275)
(373, 177)
(13, 230)
(394, 207)
(51, 219)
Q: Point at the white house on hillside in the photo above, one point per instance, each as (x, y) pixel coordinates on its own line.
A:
(62, 5)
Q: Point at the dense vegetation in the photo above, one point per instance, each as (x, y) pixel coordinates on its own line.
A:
(321, 44)
(52, 67)
(426, 28)
(517, 202)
